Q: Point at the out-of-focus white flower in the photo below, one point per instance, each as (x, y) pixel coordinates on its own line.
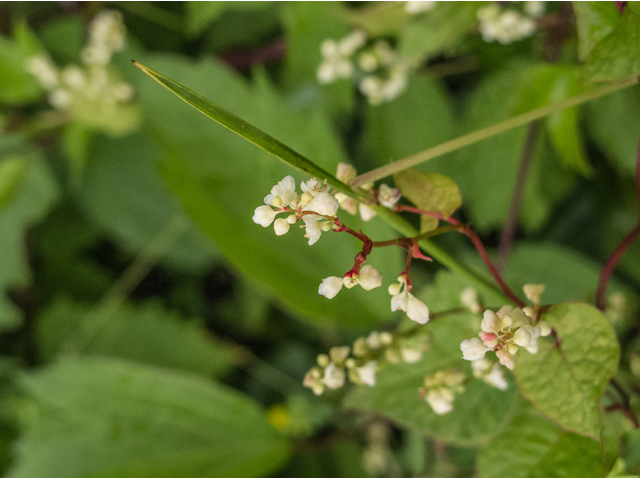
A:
(366, 212)
(440, 400)
(504, 26)
(469, 298)
(533, 292)
(367, 373)
(490, 372)
(403, 300)
(534, 8)
(415, 7)
(333, 377)
(388, 197)
(440, 388)
(41, 67)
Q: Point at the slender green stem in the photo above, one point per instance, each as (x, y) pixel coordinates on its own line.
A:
(487, 132)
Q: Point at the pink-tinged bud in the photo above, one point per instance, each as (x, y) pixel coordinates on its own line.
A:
(491, 323)
(490, 340)
(506, 359)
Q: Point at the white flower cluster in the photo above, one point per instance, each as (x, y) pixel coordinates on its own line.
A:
(368, 355)
(381, 74)
(76, 86)
(440, 389)
(415, 7)
(403, 300)
(504, 332)
(506, 25)
(311, 207)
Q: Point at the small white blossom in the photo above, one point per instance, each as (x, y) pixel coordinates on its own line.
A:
(264, 215)
(366, 212)
(369, 278)
(333, 377)
(312, 228)
(367, 373)
(403, 300)
(490, 372)
(505, 26)
(469, 298)
(281, 226)
(324, 204)
(283, 194)
(473, 349)
(330, 287)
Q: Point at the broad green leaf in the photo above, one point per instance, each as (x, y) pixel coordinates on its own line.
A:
(529, 445)
(478, 411)
(12, 173)
(99, 417)
(595, 20)
(122, 193)
(221, 179)
(565, 382)
(438, 31)
(617, 138)
(31, 202)
(147, 334)
(17, 85)
(630, 451)
(616, 56)
(244, 129)
(429, 191)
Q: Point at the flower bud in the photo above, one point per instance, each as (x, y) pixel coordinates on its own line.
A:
(507, 359)
(281, 226)
(522, 337)
(339, 354)
(545, 329)
(395, 288)
(323, 360)
(369, 278)
(491, 323)
(264, 215)
(472, 349)
(386, 338)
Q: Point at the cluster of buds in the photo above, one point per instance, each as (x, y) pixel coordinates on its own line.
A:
(504, 332)
(506, 25)
(440, 389)
(416, 7)
(368, 278)
(369, 355)
(313, 207)
(94, 83)
(380, 72)
(345, 174)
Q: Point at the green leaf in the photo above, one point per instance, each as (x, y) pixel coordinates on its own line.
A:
(200, 15)
(565, 382)
(31, 202)
(630, 450)
(429, 191)
(439, 30)
(99, 417)
(244, 129)
(122, 193)
(529, 445)
(221, 179)
(477, 412)
(147, 333)
(378, 19)
(12, 173)
(616, 56)
(595, 20)
(17, 85)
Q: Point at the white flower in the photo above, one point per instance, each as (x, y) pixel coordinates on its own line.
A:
(41, 67)
(330, 287)
(415, 7)
(440, 400)
(333, 377)
(74, 77)
(60, 98)
(312, 228)
(281, 226)
(366, 212)
(324, 204)
(491, 323)
(490, 372)
(367, 373)
(473, 349)
(403, 300)
(264, 215)
(284, 193)
(410, 355)
(388, 197)
(533, 292)
(369, 278)
(534, 8)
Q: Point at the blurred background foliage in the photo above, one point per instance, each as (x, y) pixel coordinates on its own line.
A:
(150, 328)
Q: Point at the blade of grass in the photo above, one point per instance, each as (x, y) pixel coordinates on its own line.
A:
(478, 135)
(248, 131)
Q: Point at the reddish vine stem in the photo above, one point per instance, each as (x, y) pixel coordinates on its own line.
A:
(607, 270)
(466, 230)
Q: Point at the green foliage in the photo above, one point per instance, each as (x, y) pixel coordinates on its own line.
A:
(565, 380)
(12, 172)
(133, 420)
(29, 204)
(429, 191)
(136, 333)
(612, 56)
(529, 445)
(16, 84)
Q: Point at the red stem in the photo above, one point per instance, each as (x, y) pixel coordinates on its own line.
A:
(607, 270)
(476, 242)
